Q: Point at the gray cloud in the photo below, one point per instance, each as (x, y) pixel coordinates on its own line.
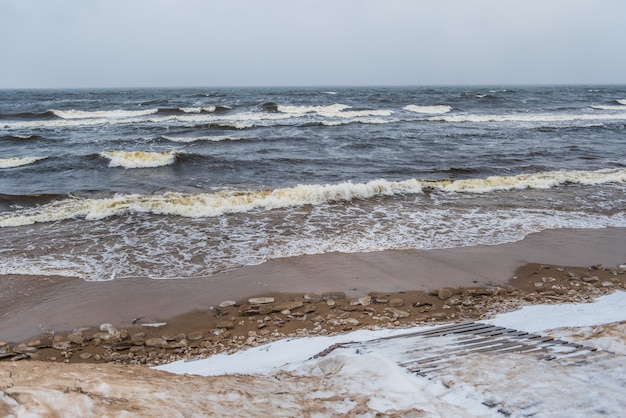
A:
(100, 43)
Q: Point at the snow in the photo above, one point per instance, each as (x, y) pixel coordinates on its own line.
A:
(478, 384)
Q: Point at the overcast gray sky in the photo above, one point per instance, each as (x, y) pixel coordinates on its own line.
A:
(137, 43)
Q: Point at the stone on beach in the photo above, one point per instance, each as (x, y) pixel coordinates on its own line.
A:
(261, 300)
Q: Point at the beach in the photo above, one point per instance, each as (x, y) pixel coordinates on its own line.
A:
(292, 299)
(35, 306)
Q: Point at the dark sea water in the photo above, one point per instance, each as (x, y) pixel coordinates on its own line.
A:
(107, 184)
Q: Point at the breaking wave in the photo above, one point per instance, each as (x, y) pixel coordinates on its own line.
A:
(18, 161)
(224, 202)
(334, 110)
(139, 159)
(188, 139)
(428, 109)
(526, 118)
(99, 114)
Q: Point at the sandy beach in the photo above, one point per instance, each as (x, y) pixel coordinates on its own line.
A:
(32, 306)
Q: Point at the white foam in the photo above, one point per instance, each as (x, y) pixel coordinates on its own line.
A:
(216, 204)
(139, 159)
(428, 109)
(99, 114)
(188, 139)
(197, 109)
(622, 102)
(18, 161)
(335, 110)
(563, 117)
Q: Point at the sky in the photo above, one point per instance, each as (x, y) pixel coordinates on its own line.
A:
(209, 43)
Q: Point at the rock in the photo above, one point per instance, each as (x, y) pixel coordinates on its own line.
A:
(109, 328)
(23, 349)
(154, 324)
(195, 335)
(397, 313)
(248, 310)
(313, 297)
(261, 300)
(622, 267)
(76, 338)
(350, 321)
(156, 342)
(223, 325)
(85, 356)
(122, 345)
(138, 338)
(227, 303)
(396, 302)
(179, 344)
(365, 300)
(444, 293)
(331, 302)
(61, 345)
(590, 279)
(333, 295)
(287, 306)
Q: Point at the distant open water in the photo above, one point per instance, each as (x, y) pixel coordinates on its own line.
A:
(189, 182)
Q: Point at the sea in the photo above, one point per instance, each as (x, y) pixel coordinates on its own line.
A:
(178, 183)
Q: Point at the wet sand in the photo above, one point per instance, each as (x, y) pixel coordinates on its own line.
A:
(30, 305)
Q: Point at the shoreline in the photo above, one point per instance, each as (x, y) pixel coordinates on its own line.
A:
(258, 320)
(32, 305)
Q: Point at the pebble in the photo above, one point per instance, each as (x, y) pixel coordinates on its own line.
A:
(23, 349)
(227, 303)
(224, 325)
(398, 313)
(85, 356)
(333, 295)
(396, 302)
(261, 300)
(195, 335)
(365, 300)
(444, 293)
(156, 342)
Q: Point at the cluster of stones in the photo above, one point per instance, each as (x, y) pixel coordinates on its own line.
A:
(571, 286)
(261, 320)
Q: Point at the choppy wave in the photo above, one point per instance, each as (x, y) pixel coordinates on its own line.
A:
(208, 109)
(18, 161)
(139, 159)
(428, 109)
(99, 114)
(225, 202)
(334, 110)
(608, 107)
(563, 117)
(622, 102)
(188, 139)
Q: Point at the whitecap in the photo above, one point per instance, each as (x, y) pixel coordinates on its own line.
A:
(190, 139)
(428, 109)
(139, 159)
(225, 202)
(562, 117)
(115, 114)
(18, 161)
(207, 109)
